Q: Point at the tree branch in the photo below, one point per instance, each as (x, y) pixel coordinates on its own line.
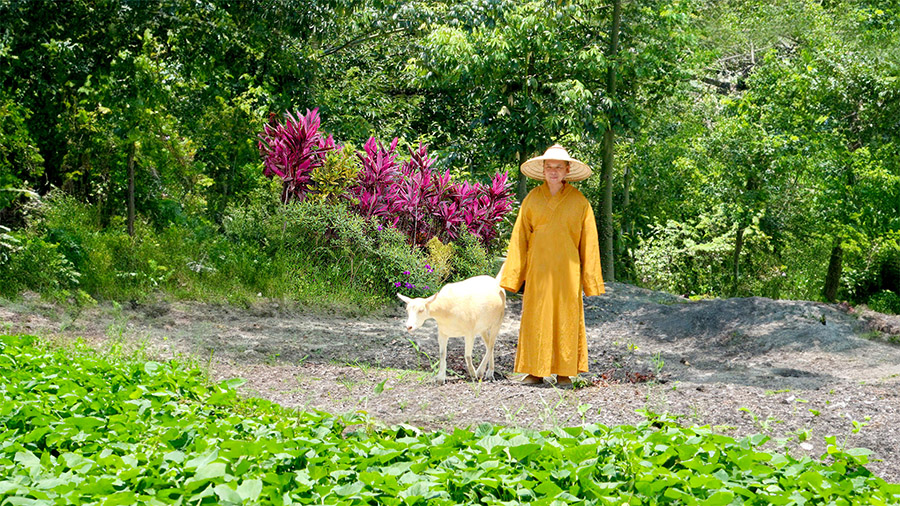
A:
(596, 33)
(721, 86)
(373, 34)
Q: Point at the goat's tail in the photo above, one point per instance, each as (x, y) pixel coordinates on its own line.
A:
(500, 273)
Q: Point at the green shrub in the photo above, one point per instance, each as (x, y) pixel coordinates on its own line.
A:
(9, 244)
(250, 221)
(320, 246)
(62, 220)
(871, 265)
(698, 258)
(20, 159)
(40, 266)
(471, 258)
(361, 253)
(885, 301)
(110, 263)
(316, 252)
(440, 256)
(119, 266)
(678, 258)
(805, 265)
(335, 175)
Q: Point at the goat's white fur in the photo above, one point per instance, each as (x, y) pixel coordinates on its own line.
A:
(463, 309)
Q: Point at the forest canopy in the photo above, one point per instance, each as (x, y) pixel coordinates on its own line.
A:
(739, 148)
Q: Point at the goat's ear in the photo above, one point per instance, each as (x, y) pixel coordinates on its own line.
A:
(429, 300)
(404, 298)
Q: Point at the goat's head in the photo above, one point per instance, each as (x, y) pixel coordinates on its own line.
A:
(416, 311)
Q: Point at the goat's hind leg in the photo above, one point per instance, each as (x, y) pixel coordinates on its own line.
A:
(486, 368)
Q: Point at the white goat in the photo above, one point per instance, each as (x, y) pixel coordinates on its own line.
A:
(472, 306)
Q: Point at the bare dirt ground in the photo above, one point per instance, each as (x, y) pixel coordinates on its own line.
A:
(796, 371)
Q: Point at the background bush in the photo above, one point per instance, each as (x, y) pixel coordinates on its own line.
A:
(885, 301)
(697, 259)
(872, 266)
(317, 252)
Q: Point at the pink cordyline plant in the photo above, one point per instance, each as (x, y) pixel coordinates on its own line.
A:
(417, 195)
(292, 150)
(412, 197)
(425, 204)
(376, 188)
(484, 206)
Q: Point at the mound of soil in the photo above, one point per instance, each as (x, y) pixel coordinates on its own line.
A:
(797, 371)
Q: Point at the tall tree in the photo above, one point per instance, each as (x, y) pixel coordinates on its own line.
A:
(536, 72)
(606, 175)
(797, 98)
(517, 77)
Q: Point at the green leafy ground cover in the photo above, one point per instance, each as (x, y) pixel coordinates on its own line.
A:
(80, 427)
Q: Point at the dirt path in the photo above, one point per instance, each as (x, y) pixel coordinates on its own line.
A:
(797, 371)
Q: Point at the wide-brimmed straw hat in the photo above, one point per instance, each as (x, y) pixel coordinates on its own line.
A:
(534, 168)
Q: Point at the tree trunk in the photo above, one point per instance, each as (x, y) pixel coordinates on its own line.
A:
(623, 237)
(606, 219)
(835, 267)
(607, 254)
(521, 187)
(836, 261)
(626, 225)
(522, 182)
(106, 198)
(131, 189)
(736, 272)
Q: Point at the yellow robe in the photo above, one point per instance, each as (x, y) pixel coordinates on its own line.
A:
(554, 250)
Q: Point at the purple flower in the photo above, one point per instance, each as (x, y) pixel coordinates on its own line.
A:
(410, 286)
(379, 228)
(398, 284)
(425, 287)
(406, 273)
(429, 268)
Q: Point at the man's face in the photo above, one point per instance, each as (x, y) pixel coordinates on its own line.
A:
(555, 170)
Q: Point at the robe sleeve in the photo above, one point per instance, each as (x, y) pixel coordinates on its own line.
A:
(589, 250)
(515, 267)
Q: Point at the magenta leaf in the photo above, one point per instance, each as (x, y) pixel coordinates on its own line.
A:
(292, 151)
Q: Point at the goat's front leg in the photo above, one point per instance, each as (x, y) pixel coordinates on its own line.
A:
(470, 345)
(441, 377)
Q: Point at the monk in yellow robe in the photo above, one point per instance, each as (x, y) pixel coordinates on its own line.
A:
(554, 250)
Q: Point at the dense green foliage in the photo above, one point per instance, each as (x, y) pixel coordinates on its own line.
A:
(316, 253)
(885, 301)
(80, 427)
(757, 145)
(793, 159)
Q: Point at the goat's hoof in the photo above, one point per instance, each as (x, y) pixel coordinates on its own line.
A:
(440, 380)
(485, 375)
